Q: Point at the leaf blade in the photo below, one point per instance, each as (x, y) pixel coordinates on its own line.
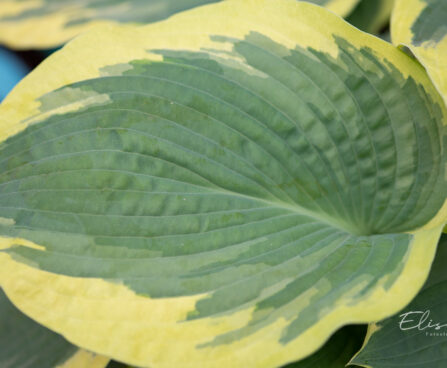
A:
(222, 89)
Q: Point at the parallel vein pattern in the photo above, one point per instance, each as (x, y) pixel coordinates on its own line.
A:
(252, 187)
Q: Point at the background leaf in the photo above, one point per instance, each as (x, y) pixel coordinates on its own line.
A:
(371, 15)
(340, 7)
(50, 23)
(421, 26)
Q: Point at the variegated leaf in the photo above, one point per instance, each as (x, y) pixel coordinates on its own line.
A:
(201, 192)
(421, 25)
(33, 24)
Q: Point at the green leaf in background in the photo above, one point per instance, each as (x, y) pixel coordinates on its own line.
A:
(227, 196)
(337, 352)
(26, 344)
(421, 26)
(417, 336)
(371, 15)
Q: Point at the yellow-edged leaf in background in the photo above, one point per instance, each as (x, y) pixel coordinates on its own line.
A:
(37, 24)
(225, 188)
(421, 25)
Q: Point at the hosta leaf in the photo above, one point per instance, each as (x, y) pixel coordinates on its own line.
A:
(207, 193)
(50, 23)
(421, 26)
(26, 344)
(341, 7)
(413, 337)
(371, 15)
(337, 352)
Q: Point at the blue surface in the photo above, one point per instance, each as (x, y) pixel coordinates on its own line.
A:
(12, 70)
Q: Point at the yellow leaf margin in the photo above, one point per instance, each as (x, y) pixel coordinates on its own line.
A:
(112, 320)
(85, 359)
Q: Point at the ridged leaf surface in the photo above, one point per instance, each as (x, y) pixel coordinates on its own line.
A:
(227, 195)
